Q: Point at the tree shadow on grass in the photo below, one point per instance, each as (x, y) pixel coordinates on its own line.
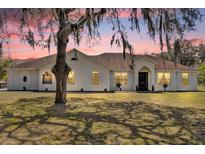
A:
(97, 121)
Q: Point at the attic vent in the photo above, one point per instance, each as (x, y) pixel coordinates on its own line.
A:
(74, 58)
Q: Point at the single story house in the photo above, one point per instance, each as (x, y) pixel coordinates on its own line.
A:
(102, 73)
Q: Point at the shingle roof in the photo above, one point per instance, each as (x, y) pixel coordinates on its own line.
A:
(114, 61)
(35, 63)
(169, 65)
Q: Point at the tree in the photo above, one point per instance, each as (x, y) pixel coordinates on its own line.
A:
(63, 24)
(201, 53)
(185, 53)
(188, 54)
(4, 63)
(201, 77)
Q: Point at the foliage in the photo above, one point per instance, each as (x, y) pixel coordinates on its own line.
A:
(185, 53)
(177, 50)
(188, 55)
(165, 85)
(201, 53)
(201, 77)
(32, 24)
(4, 63)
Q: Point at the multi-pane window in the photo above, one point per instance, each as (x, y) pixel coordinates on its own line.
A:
(95, 78)
(71, 77)
(47, 78)
(163, 78)
(185, 79)
(121, 77)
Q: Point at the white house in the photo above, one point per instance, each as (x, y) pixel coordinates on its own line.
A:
(102, 72)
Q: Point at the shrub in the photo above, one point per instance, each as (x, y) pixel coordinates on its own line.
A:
(118, 85)
(165, 85)
(153, 88)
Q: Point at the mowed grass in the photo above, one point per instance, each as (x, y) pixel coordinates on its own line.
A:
(103, 118)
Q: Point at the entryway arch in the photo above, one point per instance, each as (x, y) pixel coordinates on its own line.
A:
(144, 78)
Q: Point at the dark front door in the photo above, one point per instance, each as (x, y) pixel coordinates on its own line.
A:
(143, 80)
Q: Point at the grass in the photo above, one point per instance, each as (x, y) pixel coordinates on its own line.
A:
(103, 118)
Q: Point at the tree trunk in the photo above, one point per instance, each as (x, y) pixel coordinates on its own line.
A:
(61, 70)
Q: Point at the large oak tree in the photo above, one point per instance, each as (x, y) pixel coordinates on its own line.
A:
(47, 27)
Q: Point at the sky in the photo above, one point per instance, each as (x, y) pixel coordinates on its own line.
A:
(142, 43)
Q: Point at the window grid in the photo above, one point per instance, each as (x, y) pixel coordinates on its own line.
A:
(95, 78)
(121, 77)
(185, 79)
(163, 78)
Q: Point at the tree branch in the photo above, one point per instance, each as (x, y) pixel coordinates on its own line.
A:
(70, 27)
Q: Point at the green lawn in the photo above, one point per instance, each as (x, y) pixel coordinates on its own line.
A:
(103, 118)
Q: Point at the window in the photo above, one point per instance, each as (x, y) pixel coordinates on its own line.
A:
(121, 77)
(95, 78)
(185, 79)
(71, 77)
(47, 78)
(24, 79)
(163, 78)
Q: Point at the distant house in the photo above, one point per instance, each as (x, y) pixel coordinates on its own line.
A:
(102, 73)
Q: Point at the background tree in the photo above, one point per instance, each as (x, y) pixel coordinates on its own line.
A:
(185, 53)
(188, 55)
(4, 63)
(63, 24)
(201, 77)
(201, 53)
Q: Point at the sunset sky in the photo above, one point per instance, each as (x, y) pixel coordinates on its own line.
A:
(141, 42)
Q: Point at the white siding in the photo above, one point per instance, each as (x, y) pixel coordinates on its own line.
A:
(193, 81)
(176, 81)
(15, 80)
(83, 69)
(129, 86)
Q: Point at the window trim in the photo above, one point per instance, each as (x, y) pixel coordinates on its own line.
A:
(120, 74)
(169, 83)
(95, 83)
(43, 79)
(182, 79)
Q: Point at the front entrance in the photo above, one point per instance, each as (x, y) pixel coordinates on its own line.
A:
(143, 81)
